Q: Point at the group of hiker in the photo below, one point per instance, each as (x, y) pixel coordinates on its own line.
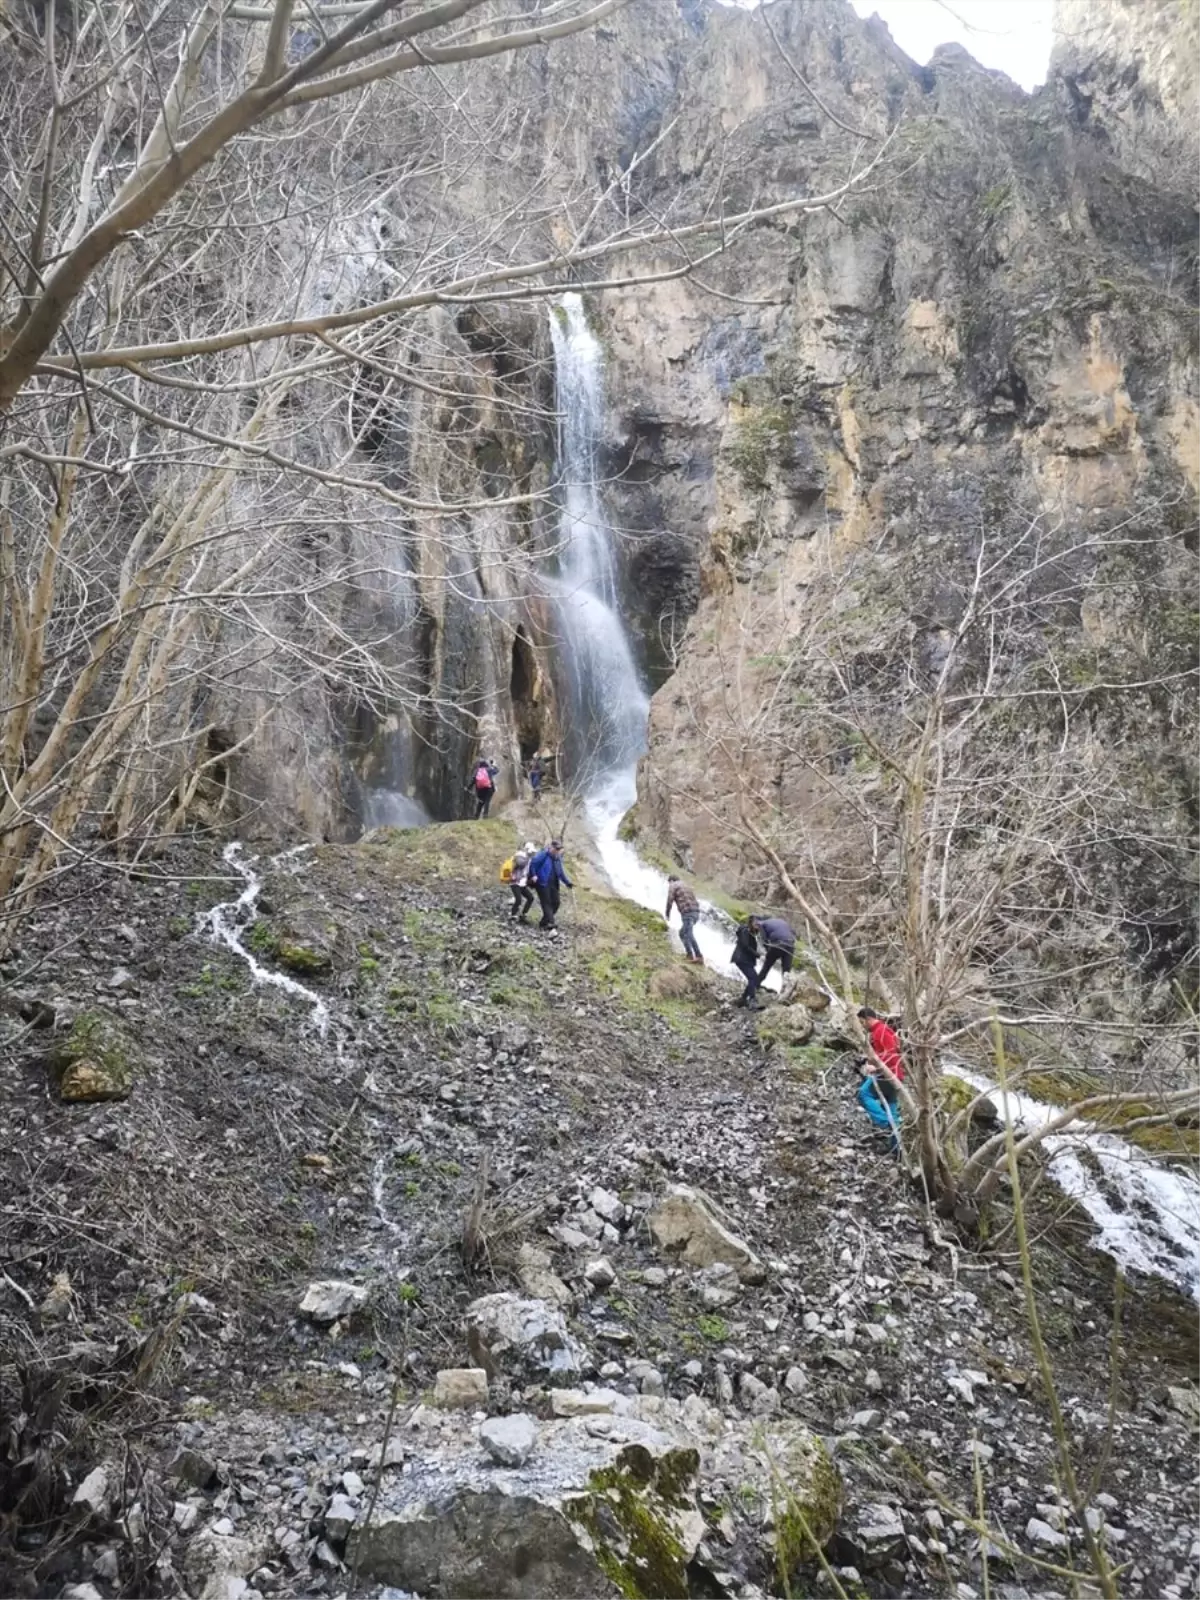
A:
(879, 1072)
(532, 873)
(761, 944)
(482, 784)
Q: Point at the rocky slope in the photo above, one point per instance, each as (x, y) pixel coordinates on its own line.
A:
(310, 1188)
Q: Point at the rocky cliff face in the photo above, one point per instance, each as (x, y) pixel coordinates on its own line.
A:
(994, 332)
(998, 334)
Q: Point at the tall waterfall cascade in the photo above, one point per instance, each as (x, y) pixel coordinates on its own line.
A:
(606, 705)
(608, 708)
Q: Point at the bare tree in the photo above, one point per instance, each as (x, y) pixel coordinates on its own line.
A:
(255, 366)
(930, 763)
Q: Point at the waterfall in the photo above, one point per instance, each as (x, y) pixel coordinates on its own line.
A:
(608, 709)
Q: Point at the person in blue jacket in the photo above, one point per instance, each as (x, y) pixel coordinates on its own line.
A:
(546, 872)
(880, 1103)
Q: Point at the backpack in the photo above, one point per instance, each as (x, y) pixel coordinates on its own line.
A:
(483, 778)
(506, 871)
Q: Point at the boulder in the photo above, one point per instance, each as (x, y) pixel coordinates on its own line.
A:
(687, 1222)
(509, 1441)
(330, 1300)
(785, 1025)
(460, 1389)
(585, 1516)
(526, 1339)
(584, 1402)
(538, 1279)
(340, 1517)
(216, 1565)
(607, 1502)
(601, 1273)
(95, 1060)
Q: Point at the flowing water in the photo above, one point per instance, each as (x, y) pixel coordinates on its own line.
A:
(607, 705)
(1147, 1215)
(228, 922)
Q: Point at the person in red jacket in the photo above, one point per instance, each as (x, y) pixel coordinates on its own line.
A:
(884, 1042)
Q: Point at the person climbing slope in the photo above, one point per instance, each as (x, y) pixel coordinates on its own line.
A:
(877, 1096)
(518, 881)
(546, 872)
(483, 782)
(684, 901)
(884, 1042)
(745, 959)
(780, 944)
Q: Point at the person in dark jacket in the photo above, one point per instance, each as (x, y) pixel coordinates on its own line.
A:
(546, 872)
(780, 944)
(536, 773)
(681, 898)
(745, 959)
(483, 785)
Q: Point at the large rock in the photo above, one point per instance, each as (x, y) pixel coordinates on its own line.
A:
(786, 1025)
(527, 1339)
(538, 1278)
(687, 1222)
(217, 1565)
(586, 1516)
(606, 1504)
(460, 1388)
(330, 1300)
(510, 1441)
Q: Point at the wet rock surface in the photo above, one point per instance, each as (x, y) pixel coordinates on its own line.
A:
(874, 1359)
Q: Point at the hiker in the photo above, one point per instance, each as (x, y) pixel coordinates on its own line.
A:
(780, 944)
(483, 782)
(884, 1042)
(536, 774)
(546, 872)
(685, 902)
(518, 881)
(745, 959)
(877, 1096)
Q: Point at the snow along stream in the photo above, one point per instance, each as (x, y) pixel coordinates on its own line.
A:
(1147, 1215)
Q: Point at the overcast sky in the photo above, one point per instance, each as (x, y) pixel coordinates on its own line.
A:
(1011, 35)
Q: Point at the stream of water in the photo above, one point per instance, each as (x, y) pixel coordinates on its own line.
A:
(1146, 1214)
(608, 707)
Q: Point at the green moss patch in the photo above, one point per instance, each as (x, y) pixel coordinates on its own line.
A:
(471, 850)
(96, 1060)
(634, 1516)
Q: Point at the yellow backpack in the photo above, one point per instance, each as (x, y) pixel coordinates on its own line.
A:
(506, 871)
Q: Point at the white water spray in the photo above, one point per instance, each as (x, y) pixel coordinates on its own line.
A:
(228, 922)
(1147, 1215)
